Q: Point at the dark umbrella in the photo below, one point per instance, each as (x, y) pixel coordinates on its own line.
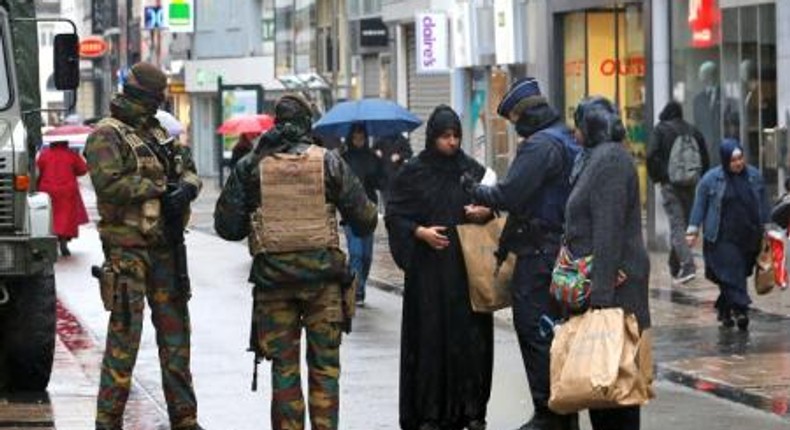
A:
(379, 117)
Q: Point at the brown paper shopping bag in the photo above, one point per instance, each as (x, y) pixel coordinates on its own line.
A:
(599, 360)
(489, 288)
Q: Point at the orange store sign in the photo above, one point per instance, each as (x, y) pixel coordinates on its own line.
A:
(92, 47)
(632, 66)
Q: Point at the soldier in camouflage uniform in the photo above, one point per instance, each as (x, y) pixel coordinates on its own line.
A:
(296, 286)
(128, 157)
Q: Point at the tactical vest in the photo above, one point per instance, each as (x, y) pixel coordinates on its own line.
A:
(144, 218)
(294, 214)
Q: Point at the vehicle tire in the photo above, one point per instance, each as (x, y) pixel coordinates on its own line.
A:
(30, 333)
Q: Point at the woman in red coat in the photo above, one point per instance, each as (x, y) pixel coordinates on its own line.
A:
(58, 169)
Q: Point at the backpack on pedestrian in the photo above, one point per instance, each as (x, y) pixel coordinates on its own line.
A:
(684, 167)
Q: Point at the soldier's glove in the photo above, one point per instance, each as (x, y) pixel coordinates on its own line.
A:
(177, 198)
(468, 184)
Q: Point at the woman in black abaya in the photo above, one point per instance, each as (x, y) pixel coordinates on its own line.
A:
(446, 348)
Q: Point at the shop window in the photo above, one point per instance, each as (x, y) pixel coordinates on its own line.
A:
(491, 143)
(727, 82)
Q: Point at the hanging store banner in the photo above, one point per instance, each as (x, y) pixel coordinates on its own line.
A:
(179, 15)
(432, 43)
(463, 49)
(705, 23)
(504, 31)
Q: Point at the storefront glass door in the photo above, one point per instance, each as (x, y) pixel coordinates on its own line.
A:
(604, 54)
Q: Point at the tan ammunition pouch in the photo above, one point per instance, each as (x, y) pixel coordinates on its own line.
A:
(146, 217)
(294, 214)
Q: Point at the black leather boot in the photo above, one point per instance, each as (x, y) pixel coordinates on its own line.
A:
(64, 247)
(544, 419)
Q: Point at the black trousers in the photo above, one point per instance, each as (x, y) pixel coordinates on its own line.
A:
(531, 300)
(615, 419)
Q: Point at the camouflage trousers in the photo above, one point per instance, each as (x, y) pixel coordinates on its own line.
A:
(147, 274)
(281, 315)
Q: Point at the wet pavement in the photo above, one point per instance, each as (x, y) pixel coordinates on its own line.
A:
(752, 369)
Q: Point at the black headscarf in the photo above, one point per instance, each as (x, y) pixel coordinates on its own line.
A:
(599, 121)
(441, 120)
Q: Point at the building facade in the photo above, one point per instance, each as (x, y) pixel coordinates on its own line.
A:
(719, 58)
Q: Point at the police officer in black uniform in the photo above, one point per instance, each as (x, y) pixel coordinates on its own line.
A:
(534, 194)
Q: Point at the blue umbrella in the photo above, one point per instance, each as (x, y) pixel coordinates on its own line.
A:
(380, 118)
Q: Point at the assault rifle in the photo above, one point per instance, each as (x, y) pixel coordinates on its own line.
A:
(174, 225)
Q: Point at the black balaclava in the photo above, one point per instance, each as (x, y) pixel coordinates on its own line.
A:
(599, 121)
(293, 117)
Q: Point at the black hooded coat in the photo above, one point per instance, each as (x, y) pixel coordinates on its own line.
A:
(446, 348)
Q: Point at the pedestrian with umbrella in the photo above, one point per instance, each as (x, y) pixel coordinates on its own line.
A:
(74, 136)
(379, 117)
(368, 169)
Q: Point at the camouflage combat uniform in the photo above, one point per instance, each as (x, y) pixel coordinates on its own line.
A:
(299, 289)
(129, 182)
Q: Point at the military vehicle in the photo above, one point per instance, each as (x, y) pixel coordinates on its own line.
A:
(28, 248)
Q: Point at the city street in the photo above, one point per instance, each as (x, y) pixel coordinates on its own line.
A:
(674, 103)
(223, 369)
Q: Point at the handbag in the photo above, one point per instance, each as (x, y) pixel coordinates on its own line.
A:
(600, 360)
(570, 281)
(489, 282)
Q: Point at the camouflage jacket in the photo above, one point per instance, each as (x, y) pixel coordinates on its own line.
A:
(119, 184)
(241, 195)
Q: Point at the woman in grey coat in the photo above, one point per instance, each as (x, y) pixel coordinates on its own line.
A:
(603, 218)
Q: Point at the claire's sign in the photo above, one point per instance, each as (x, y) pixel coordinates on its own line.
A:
(432, 43)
